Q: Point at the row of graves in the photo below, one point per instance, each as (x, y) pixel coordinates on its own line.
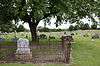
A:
(51, 51)
(86, 34)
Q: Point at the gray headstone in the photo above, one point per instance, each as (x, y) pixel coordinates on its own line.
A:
(2, 39)
(23, 46)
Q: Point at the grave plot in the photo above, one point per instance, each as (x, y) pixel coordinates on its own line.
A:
(47, 53)
(51, 52)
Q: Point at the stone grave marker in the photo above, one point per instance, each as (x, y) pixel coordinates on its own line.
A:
(2, 39)
(23, 51)
(14, 39)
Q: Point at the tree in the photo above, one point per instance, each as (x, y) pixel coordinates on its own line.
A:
(81, 24)
(85, 26)
(44, 29)
(6, 11)
(7, 27)
(20, 28)
(33, 11)
(71, 28)
(76, 27)
(6, 16)
(94, 26)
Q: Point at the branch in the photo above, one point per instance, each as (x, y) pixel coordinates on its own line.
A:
(45, 16)
(92, 19)
(48, 14)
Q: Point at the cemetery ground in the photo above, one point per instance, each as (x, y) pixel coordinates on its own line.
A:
(85, 52)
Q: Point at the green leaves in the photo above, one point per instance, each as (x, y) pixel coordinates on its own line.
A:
(6, 10)
(64, 10)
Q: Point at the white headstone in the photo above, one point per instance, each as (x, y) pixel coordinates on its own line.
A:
(23, 46)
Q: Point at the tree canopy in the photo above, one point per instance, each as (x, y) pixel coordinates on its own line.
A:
(33, 11)
(63, 9)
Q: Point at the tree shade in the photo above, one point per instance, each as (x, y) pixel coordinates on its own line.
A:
(33, 11)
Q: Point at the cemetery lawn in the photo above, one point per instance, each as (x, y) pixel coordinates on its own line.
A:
(32, 64)
(84, 53)
(7, 43)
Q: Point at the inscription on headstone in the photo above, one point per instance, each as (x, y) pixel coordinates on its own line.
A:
(23, 50)
(23, 46)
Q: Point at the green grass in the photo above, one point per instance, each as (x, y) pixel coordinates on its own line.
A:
(7, 43)
(85, 53)
(15, 64)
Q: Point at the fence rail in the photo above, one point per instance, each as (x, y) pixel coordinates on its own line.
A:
(47, 53)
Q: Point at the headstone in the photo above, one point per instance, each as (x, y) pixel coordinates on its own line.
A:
(23, 46)
(2, 39)
(23, 50)
(14, 39)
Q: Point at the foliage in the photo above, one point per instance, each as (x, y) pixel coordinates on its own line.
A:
(43, 36)
(84, 52)
(71, 28)
(76, 27)
(44, 29)
(94, 26)
(33, 11)
(41, 9)
(51, 37)
(6, 11)
(50, 30)
(81, 26)
(7, 28)
(20, 28)
(72, 34)
(84, 26)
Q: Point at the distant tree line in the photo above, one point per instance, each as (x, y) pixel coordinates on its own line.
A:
(45, 29)
(82, 27)
(11, 28)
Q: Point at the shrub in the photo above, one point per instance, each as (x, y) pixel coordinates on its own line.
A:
(43, 36)
(51, 37)
(94, 26)
(85, 26)
(76, 27)
(76, 33)
(44, 29)
(71, 28)
(72, 34)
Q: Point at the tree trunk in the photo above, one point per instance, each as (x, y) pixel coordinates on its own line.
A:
(33, 27)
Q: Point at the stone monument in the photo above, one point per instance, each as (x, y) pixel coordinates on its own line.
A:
(23, 51)
(66, 47)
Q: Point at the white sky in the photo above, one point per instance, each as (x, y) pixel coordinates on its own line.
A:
(63, 26)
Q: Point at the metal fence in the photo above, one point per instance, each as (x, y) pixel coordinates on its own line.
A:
(58, 52)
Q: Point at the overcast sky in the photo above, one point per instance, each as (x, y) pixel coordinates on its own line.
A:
(63, 26)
